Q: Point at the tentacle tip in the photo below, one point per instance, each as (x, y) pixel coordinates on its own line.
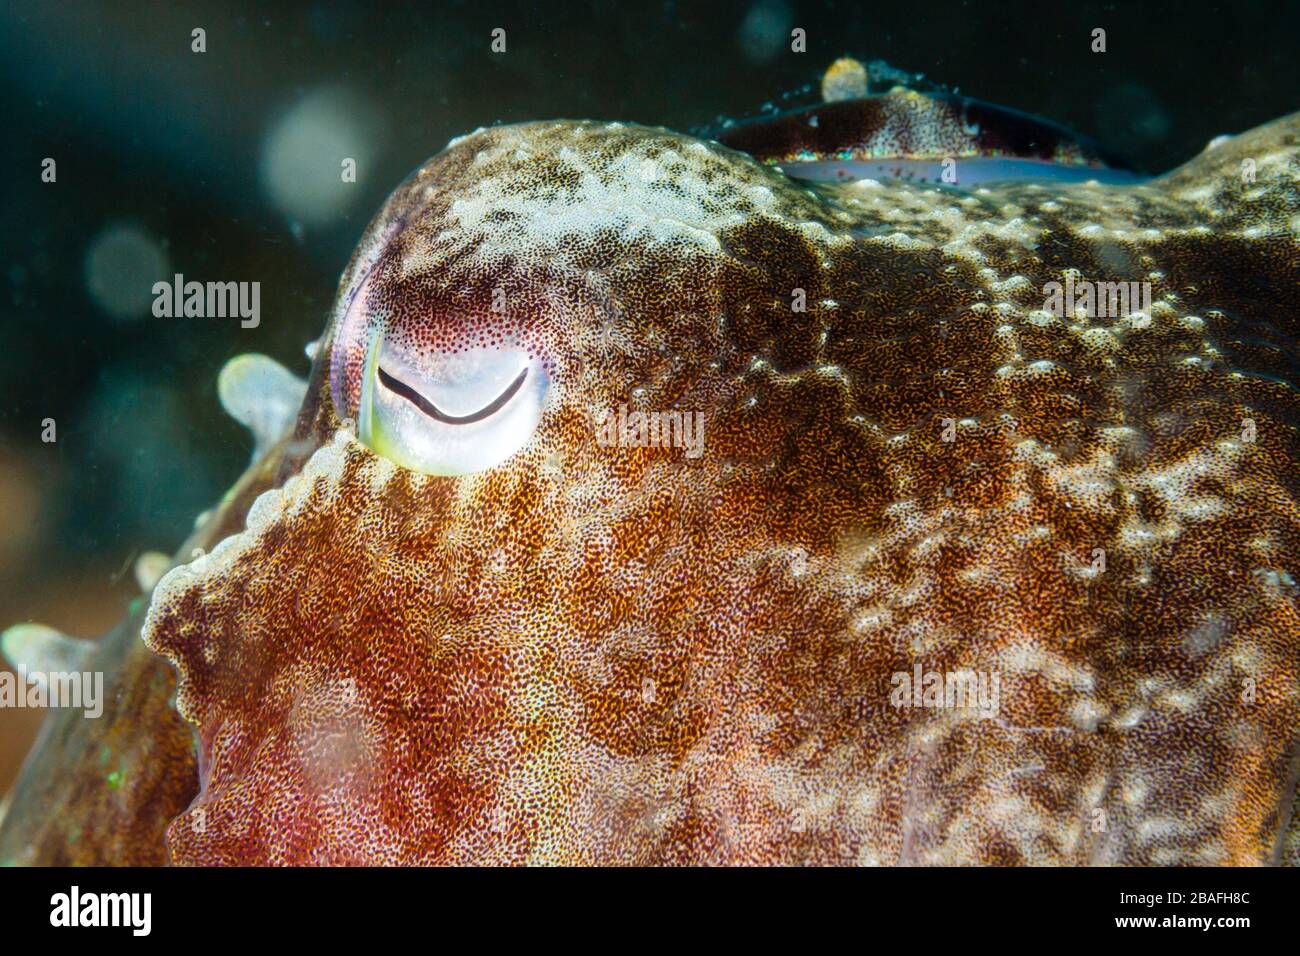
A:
(149, 567)
(262, 395)
(35, 647)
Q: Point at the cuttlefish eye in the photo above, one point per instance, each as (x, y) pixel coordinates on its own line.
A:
(449, 414)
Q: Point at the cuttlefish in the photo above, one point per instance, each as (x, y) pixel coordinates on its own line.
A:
(764, 498)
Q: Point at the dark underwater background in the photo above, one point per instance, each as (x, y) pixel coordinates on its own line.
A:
(224, 165)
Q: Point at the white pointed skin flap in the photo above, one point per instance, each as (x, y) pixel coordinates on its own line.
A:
(35, 647)
(262, 395)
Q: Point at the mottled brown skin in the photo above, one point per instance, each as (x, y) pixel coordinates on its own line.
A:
(101, 792)
(596, 655)
(620, 655)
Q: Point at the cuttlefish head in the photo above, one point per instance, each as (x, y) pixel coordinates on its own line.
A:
(382, 662)
(493, 616)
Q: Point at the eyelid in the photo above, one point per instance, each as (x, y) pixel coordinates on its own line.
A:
(352, 326)
(398, 419)
(399, 387)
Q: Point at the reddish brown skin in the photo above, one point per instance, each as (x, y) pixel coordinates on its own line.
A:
(101, 792)
(592, 655)
(620, 655)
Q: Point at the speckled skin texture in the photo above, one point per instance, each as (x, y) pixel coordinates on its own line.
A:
(101, 792)
(596, 654)
(619, 655)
